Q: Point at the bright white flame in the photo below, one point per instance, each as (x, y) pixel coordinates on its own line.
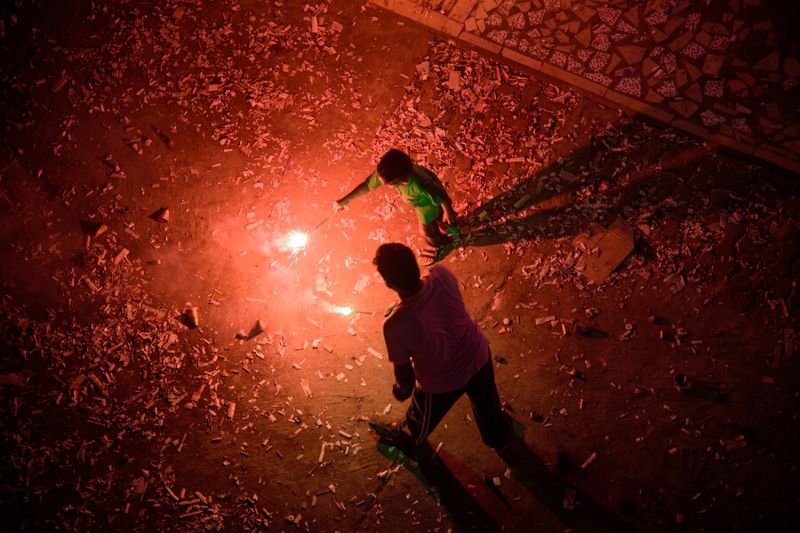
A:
(296, 241)
(342, 310)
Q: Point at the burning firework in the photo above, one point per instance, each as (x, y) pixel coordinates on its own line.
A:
(342, 310)
(296, 241)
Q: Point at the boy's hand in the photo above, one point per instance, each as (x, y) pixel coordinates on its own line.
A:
(338, 206)
(449, 217)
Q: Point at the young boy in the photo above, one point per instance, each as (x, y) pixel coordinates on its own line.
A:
(420, 187)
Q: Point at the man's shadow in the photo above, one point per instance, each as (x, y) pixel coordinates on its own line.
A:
(465, 513)
(573, 508)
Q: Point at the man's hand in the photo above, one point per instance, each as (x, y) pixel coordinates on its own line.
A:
(404, 380)
(400, 393)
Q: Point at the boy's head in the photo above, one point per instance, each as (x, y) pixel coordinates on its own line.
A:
(397, 266)
(394, 166)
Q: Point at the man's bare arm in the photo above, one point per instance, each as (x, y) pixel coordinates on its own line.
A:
(404, 381)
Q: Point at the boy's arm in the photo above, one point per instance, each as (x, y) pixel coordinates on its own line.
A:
(360, 190)
(449, 216)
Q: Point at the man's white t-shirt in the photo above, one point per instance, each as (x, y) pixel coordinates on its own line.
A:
(433, 331)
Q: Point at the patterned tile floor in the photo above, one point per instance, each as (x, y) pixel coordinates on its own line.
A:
(725, 70)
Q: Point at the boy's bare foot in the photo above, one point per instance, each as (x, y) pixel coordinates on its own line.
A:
(430, 256)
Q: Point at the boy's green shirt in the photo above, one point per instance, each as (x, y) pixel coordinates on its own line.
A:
(423, 191)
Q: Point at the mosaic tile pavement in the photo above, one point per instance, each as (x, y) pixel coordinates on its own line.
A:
(724, 70)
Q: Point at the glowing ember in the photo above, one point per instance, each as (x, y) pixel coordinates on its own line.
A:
(296, 241)
(342, 310)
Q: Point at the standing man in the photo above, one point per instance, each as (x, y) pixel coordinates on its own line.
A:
(419, 187)
(438, 353)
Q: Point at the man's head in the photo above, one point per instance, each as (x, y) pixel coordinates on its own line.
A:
(395, 166)
(398, 267)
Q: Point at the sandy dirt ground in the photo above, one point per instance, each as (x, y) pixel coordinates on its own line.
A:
(155, 157)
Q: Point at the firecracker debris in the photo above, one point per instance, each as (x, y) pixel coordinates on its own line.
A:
(169, 365)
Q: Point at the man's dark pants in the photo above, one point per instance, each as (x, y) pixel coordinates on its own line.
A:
(427, 409)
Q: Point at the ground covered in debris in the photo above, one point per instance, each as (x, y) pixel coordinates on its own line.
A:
(156, 158)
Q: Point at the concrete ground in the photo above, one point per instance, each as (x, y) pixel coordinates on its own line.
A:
(156, 157)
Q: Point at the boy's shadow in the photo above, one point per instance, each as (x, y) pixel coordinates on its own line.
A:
(543, 222)
(553, 202)
(532, 209)
(502, 219)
